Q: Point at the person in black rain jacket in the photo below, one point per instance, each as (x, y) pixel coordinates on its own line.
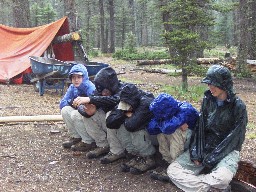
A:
(104, 99)
(127, 125)
(217, 139)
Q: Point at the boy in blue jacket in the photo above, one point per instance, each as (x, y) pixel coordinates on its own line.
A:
(81, 86)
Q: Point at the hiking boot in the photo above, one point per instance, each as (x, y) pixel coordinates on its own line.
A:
(99, 151)
(81, 146)
(228, 189)
(111, 157)
(160, 174)
(144, 164)
(72, 141)
(125, 167)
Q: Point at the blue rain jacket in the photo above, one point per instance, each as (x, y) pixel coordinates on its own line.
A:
(85, 89)
(170, 114)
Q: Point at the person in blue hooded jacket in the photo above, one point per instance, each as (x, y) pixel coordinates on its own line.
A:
(172, 122)
(81, 86)
(214, 152)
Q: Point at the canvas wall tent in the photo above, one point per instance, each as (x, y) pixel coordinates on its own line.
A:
(17, 44)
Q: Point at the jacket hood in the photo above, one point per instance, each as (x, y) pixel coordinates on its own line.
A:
(106, 78)
(130, 94)
(170, 114)
(79, 69)
(164, 106)
(220, 76)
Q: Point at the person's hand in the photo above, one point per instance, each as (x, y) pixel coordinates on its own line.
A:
(128, 113)
(197, 162)
(81, 100)
(184, 127)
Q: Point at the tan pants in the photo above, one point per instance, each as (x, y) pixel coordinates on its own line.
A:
(137, 143)
(185, 174)
(91, 129)
(172, 145)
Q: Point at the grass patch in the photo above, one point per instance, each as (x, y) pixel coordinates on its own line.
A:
(194, 93)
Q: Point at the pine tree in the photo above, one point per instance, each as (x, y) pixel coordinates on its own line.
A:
(184, 37)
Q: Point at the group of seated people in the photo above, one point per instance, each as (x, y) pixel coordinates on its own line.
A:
(111, 120)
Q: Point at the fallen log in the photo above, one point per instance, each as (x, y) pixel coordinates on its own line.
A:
(154, 62)
(30, 118)
(162, 71)
(73, 36)
(246, 172)
(213, 60)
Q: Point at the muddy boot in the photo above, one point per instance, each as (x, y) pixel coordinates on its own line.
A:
(81, 146)
(111, 157)
(144, 164)
(160, 174)
(125, 167)
(71, 142)
(228, 189)
(99, 151)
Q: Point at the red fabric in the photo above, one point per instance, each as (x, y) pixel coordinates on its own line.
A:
(17, 44)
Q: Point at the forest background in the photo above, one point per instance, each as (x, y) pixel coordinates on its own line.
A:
(111, 25)
(177, 30)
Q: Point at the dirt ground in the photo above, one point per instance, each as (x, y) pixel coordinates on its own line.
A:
(32, 158)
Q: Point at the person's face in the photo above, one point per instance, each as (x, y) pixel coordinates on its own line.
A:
(217, 92)
(76, 80)
(105, 92)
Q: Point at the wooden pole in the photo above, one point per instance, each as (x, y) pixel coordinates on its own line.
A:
(31, 118)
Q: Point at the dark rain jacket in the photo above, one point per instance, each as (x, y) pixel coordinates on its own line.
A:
(170, 114)
(85, 89)
(106, 78)
(219, 131)
(140, 101)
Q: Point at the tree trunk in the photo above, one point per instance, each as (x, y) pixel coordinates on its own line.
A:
(88, 26)
(70, 11)
(252, 31)
(166, 15)
(184, 78)
(133, 15)
(104, 42)
(112, 26)
(243, 40)
(21, 13)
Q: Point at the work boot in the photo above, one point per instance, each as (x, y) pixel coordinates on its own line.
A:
(72, 141)
(81, 146)
(144, 164)
(228, 189)
(99, 151)
(125, 167)
(160, 174)
(111, 157)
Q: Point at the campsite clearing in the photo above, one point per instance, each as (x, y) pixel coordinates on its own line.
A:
(32, 158)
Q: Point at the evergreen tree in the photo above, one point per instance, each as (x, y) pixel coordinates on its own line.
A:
(187, 18)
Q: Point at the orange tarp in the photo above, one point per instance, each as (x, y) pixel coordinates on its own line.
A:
(17, 44)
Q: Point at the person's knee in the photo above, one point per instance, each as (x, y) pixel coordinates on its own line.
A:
(173, 169)
(75, 115)
(223, 176)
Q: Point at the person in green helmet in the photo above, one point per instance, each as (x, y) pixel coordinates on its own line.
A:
(212, 159)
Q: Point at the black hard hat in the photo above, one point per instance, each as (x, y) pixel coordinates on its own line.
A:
(219, 76)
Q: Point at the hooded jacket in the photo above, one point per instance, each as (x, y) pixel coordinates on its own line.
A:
(140, 101)
(221, 128)
(86, 88)
(106, 78)
(170, 114)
